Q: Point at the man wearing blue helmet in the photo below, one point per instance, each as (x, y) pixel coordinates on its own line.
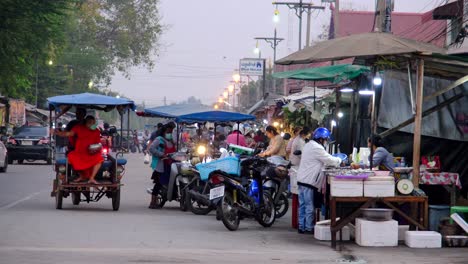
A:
(311, 179)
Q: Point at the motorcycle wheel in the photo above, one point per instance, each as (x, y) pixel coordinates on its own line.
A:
(229, 215)
(194, 206)
(183, 201)
(266, 216)
(282, 206)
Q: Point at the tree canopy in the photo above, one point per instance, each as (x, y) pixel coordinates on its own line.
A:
(73, 46)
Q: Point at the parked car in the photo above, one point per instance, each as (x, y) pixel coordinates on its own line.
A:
(29, 143)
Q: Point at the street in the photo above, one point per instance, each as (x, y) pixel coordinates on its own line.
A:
(33, 231)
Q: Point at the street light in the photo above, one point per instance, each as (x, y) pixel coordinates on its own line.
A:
(50, 62)
(236, 77)
(231, 88)
(216, 107)
(220, 100)
(276, 17)
(225, 94)
(90, 84)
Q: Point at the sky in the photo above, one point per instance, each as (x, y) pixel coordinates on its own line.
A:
(204, 40)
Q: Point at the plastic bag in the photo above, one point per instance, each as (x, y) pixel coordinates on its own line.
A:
(147, 158)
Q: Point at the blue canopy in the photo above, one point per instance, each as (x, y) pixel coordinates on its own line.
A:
(174, 111)
(89, 100)
(215, 117)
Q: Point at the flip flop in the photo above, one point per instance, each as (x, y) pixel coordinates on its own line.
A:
(78, 180)
(92, 182)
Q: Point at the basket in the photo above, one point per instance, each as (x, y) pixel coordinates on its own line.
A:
(229, 165)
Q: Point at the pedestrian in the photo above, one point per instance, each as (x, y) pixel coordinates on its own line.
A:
(237, 136)
(259, 137)
(136, 141)
(297, 145)
(61, 142)
(277, 146)
(290, 142)
(311, 179)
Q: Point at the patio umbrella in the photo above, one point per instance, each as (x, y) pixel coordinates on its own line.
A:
(359, 45)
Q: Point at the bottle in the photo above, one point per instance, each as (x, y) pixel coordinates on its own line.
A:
(402, 163)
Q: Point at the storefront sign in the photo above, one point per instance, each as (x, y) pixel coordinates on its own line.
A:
(252, 67)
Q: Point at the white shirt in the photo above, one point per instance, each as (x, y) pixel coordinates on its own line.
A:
(314, 160)
(298, 144)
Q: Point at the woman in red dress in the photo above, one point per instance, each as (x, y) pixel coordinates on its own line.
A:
(86, 163)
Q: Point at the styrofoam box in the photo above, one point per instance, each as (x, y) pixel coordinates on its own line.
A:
(402, 232)
(423, 239)
(379, 188)
(376, 233)
(323, 232)
(344, 188)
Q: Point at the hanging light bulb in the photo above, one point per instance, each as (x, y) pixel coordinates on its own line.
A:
(276, 17)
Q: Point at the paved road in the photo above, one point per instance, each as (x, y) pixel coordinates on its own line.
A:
(32, 231)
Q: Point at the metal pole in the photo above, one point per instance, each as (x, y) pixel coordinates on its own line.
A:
(308, 27)
(274, 59)
(37, 78)
(264, 78)
(300, 25)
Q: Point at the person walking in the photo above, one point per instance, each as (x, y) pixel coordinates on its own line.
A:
(297, 145)
(311, 179)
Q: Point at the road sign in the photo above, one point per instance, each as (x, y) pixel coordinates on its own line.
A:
(252, 67)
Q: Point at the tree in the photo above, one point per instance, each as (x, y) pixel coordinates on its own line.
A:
(29, 32)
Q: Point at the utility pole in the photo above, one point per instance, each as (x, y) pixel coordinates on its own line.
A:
(299, 7)
(165, 101)
(336, 18)
(384, 10)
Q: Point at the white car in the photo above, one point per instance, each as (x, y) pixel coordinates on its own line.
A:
(3, 157)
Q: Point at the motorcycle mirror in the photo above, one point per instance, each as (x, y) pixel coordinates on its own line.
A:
(297, 153)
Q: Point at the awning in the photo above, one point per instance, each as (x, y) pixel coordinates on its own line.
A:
(89, 100)
(214, 116)
(308, 93)
(174, 111)
(449, 11)
(333, 73)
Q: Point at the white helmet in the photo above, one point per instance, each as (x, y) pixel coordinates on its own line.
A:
(238, 127)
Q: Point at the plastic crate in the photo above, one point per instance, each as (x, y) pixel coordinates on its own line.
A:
(230, 165)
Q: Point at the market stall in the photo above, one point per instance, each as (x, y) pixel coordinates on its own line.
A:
(380, 51)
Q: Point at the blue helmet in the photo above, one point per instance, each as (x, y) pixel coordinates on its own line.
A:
(322, 132)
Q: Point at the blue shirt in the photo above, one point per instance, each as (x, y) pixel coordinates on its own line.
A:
(383, 158)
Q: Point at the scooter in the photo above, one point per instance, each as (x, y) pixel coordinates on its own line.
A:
(236, 201)
(180, 176)
(276, 183)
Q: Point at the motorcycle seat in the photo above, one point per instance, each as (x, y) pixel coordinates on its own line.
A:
(107, 164)
(121, 162)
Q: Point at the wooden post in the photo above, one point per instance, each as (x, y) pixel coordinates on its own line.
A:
(418, 122)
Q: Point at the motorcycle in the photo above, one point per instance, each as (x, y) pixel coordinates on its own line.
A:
(236, 201)
(276, 183)
(180, 176)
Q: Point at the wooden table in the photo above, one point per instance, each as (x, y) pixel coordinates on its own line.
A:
(419, 220)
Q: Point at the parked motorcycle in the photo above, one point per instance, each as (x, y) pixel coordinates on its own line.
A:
(236, 200)
(180, 176)
(276, 183)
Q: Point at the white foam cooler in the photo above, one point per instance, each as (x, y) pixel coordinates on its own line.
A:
(379, 188)
(423, 239)
(376, 233)
(346, 188)
(323, 232)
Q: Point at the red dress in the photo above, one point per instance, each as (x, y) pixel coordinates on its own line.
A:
(80, 158)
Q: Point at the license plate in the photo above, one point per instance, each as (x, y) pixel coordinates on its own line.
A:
(217, 192)
(26, 142)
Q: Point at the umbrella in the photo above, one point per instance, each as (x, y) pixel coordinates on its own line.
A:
(359, 45)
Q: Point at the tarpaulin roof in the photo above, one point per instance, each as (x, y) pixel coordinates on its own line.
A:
(359, 45)
(214, 116)
(333, 73)
(174, 111)
(89, 100)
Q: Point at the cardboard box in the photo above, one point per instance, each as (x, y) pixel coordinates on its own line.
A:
(376, 233)
(323, 232)
(345, 188)
(423, 239)
(379, 188)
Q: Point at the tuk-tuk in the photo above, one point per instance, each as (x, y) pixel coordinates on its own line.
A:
(112, 169)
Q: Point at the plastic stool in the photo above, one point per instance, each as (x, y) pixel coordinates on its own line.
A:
(458, 209)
